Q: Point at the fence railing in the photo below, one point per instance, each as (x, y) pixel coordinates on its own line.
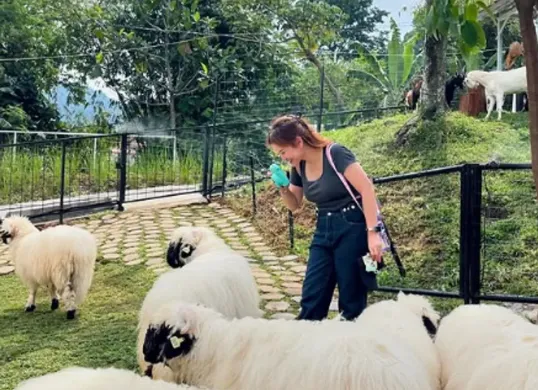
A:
(482, 228)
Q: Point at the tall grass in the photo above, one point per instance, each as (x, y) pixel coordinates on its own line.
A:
(33, 173)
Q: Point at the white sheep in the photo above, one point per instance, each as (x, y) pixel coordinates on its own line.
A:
(497, 84)
(81, 378)
(188, 242)
(411, 319)
(487, 347)
(218, 278)
(60, 258)
(205, 349)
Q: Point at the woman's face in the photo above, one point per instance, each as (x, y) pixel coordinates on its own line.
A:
(293, 154)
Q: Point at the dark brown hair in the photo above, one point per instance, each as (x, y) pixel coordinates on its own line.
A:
(286, 128)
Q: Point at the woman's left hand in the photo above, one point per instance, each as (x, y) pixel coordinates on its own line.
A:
(375, 246)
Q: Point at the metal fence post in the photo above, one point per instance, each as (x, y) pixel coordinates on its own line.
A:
(205, 168)
(322, 87)
(470, 235)
(213, 135)
(122, 166)
(224, 165)
(253, 183)
(62, 181)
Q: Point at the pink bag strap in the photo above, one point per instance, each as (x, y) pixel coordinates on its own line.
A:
(342, 178)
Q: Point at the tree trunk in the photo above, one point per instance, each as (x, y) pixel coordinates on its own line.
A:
(432, 100)
(432, 93)
(170, 84)
(528, 33)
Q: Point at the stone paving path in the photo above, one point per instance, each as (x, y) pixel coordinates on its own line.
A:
(141, 237)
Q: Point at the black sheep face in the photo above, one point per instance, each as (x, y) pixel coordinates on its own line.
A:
(5, 231)
(163, 343)
(179, 253)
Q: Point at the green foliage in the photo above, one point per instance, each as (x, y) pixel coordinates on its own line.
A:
(394, 75)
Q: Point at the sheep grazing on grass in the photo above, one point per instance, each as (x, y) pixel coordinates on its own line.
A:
(487, 347)
(189, 242)
(80, 378)
(60, 258)
(218, 278)
(203, 348)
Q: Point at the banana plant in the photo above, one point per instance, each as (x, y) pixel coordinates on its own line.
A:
(393, 74)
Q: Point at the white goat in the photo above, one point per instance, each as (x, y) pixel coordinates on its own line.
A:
(188, 242)
(62, 258)
(497, 84)
(487, 347)
(81, 378)
(205, 349)
(218, 278)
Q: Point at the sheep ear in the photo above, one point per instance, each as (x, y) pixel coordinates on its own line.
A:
(429, 325)
(172, 255)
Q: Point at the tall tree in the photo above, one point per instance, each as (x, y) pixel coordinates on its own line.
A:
(526, 12)
(362, 20)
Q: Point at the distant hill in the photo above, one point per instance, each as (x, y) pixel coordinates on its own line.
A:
(93, 100)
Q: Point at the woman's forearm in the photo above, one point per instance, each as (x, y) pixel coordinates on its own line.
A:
(289, 199)
(369, 204)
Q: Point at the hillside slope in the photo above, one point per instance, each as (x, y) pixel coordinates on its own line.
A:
(423, 214)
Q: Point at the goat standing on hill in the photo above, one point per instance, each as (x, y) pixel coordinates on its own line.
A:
(497, 84)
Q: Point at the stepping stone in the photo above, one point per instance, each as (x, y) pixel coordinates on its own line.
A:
(244, 225)
(260, 274)
(249, 229)
(299, 269)
(289, 258)
(333, 306)
(239, 247)
(131, 257)
(244, 253)
(267, 281)
(288, 278)
(6, 269)
(155, 260)
(130, 250)
(268, 289)
(267, 254)
(272, 297)
(283, 316)
(293, 291)
(111, 256)
(290, 264)
(276, 268)
(227, 230)
(230, 234)
(277, 306)
(296, 299)
(272, 262)
(292, 285)
(269, 258)
(155, 253)
(135, 262)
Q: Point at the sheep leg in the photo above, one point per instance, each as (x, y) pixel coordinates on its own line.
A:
(68, 297)
(54, 297)
(490, 101)
(500, 102)
(30, 303)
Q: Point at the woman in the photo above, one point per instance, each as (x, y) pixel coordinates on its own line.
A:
(344, 234)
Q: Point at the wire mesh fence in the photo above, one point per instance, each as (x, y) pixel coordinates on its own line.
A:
(509, 233)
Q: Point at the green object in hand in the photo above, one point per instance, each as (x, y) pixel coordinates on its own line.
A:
(279, 176)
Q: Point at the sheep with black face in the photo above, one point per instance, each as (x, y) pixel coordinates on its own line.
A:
(204, 348)
(212, 274)
(60, 258)
(189, 242)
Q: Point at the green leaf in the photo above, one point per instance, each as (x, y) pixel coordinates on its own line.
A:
(204, 83)
(204, 68)
(99, 57)
(469, 34)
(486, 8)
(408, 58)
(196, 16)
(394, 55)
(99, 34)
(471, 12)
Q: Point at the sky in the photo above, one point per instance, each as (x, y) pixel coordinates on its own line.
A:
(403, 19)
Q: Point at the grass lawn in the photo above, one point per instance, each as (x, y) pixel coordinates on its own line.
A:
(103, 334)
